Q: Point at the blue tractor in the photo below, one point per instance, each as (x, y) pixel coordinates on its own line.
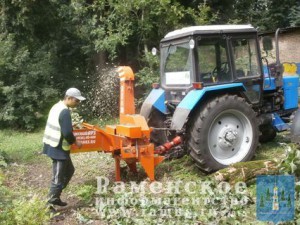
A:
(215, 94)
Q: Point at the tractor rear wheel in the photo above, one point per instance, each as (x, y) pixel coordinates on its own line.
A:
(222, 132)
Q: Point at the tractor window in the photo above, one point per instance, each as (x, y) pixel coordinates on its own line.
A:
(245, 57)
(213, 62)
(178, 64)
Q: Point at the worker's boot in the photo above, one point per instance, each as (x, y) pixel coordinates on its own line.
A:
(57, 201)
(54, 196)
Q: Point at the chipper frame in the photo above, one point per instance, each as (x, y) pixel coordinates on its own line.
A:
(129, 140)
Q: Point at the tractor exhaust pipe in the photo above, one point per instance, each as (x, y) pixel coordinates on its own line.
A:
(277, 47)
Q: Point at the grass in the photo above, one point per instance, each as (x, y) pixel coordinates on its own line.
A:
(275, 149)
(20, 146)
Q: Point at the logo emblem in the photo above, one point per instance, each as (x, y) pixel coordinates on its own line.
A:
(275, 198)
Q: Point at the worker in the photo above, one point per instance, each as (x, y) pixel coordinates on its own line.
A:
(58, 138)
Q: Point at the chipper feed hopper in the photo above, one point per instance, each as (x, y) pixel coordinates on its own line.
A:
(129, 140)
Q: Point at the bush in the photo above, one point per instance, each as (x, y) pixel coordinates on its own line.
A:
(291, 163)
(146, 77)
(24, 211)
(21, 210)
(32, 211)
(26, 84)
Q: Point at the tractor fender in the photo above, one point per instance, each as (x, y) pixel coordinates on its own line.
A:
(156, 99)
(187, 104)
(295, 128)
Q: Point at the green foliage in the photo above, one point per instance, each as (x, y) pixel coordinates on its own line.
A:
(279, 13)
(146, 77)
(24, 89)
(5, 200)
(109, 25)
(294, 16)
(265, 14)
(204, 15)
(23, 210)
(86, 193)
(30, 211)
(38, 60)
(291, 163)
(102, 24)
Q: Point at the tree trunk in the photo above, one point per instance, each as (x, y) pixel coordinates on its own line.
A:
(246, 171)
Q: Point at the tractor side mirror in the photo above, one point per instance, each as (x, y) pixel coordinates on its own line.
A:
(267, 43)
(154, 51)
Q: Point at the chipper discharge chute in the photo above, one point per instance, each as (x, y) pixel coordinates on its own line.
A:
(129, 140)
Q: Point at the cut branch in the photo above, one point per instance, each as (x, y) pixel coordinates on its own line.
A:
(246, 171)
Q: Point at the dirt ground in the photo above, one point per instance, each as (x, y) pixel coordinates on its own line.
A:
(36, 176)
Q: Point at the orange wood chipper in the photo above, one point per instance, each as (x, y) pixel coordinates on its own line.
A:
(129, 140)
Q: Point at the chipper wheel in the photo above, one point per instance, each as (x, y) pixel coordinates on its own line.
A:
(222, 132)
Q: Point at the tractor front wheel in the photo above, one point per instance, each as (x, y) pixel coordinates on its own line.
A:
(268, 133)
(222, 132)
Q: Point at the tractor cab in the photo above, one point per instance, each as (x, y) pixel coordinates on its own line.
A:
(209, 56)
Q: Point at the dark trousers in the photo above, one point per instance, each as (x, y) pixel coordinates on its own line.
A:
(63, 171)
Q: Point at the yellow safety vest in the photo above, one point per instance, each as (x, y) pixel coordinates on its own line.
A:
(52, 133)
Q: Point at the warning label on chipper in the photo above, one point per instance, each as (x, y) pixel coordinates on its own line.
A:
(85, 136)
